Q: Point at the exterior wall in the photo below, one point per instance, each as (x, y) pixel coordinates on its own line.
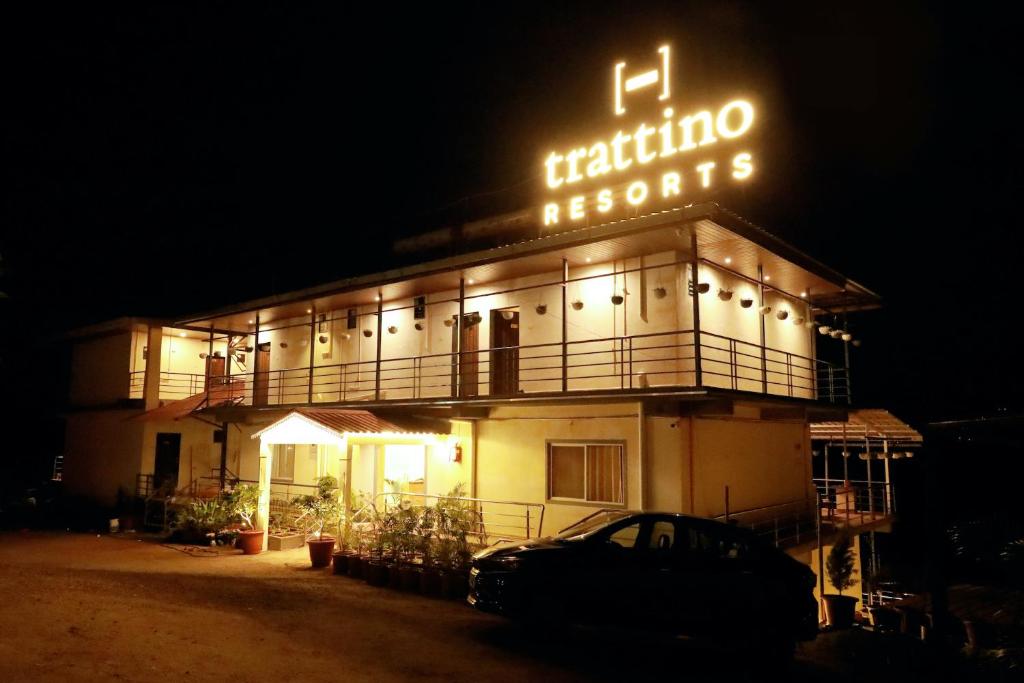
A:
(198, 455)
(100, 370)
(512, 453)
(102, 454)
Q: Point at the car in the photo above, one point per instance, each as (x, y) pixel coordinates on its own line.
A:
(663, 571)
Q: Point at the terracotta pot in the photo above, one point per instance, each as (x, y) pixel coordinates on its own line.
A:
(455, 585)
(376, 573)
(355, 566)
(341, 560)
(839, 610)
(409, 578)
(250, 541)
(430, 582)
(394, 576)
(320, 551)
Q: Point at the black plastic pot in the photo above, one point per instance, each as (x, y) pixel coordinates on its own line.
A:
(355, 566)
(409, 578)
(394, 576)
(454, 585)
(341, 560)
(376, 573)
(430, 582)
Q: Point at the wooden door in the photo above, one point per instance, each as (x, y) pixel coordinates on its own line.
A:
(216, 368)
(504, 365)
(469, 362)
(261, 375)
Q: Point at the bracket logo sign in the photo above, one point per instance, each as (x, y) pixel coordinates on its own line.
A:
(668, 162)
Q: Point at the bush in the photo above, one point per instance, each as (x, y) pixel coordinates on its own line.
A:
(201, 520)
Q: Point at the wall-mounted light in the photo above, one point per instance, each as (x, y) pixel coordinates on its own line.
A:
(728, 260)
(249, 349)
(283, 345)
(835, 334)
(725, 294)
(202, 355)
(367, 333)
(309, 310)
(508, 314)
(393, 329)
(765, 310)
(252, 322)
(419, 327)
(659, 292)
(782, 315)
(703, 287)
(449, 322)
(182, 334)
(746, 303)
(811, 322)
(323, 338)
(847, 336)
(577, 305)
(617, 299)
(541, 309)
(824, 329)
(346, 336)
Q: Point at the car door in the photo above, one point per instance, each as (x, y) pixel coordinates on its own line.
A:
(609, 571)
(659, 596)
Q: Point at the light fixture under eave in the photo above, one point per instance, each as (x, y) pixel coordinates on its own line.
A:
(392, 329)
(541, 309)
(449, 322)
(728, 260)
(508, 314)
(182, 334)
(323, 338)
(847, 336)
(765, 310)
(782, 315)
(367, 333)
(617, 299)
(577, 305)
(746, 303)
(810, 323)
(419, 327)
(202, 355)
(283, 345)
(659, 292)
(703, 287)
(725, 294)
(824, 329)
(835, 334)
(346, 336)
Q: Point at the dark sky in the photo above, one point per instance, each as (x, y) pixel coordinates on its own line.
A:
(163, 159)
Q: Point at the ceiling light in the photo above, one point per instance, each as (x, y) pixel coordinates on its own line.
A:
(470, 281)
(588, 259)
(728, 260)
(182, 334)
(767, 278)
(251, 322)
(309, 310)
(803, 295)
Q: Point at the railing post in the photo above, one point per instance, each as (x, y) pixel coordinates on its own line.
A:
(312, 352)
(760, 320)
(527, 521)
(565, 325)
(630, 362)
(380, 344)
(697, 365)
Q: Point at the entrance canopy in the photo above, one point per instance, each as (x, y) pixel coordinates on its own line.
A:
(875, 428)
(337, 426)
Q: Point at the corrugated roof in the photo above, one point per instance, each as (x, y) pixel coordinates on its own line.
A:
(873, 425)
(343, 421)
(219, 395)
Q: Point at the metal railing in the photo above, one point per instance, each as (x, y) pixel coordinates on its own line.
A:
(784, 525)
(622, 363)
(494, 520)
(852, 503)
(173, 385)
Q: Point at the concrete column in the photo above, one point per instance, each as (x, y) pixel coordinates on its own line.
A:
(263, 510)
(151, 384)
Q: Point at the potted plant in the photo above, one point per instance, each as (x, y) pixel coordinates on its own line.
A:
(375, 571)
(457, 519)
(246, 501)
(346, 547)
(430, 570)
(839, 568)
(318, 511)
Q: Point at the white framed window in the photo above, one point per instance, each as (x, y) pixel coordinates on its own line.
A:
(588, 472)
(283, 467)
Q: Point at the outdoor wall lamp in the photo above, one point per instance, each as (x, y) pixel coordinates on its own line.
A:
(577, 305)
(202, 355)
(419, 327)
(659, 292)
(798, 321)
(824, 329)
(746, 303)
(782, 315)
(541, 309)
(367, 333)
(847, 336)
(449, 322)
(725, 295)
(392, 329)
(836, 334)
(508, 314)
(617, 299)
(323, 338)
(810, 323)
(284, 345)
(765, 310)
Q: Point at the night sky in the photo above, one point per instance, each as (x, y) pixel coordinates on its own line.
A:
(161, 159)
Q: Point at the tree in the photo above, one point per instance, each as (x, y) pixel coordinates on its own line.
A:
(839, 564)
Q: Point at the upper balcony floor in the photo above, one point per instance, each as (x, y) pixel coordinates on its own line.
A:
(611, 309)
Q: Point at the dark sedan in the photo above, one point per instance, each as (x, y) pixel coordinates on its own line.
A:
(660, 571)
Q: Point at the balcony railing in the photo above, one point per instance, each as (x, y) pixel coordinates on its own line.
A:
(639, 362)
(853, 503)
(173, 385)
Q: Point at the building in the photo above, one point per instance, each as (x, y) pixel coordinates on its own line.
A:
(672, 360)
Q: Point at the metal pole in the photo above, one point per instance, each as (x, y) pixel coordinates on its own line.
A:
(223, 454)
(846, 458)
(255, 360)
(380, 342)
(888, 481)
(764, 355)
(698, 370)
(457, 389)
(871, 488)
(846, 364)
(312, 352)
(565, 324)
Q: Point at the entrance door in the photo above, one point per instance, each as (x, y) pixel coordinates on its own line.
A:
(165, 466)
(216, 368)
(504, 370)
(261, 375)
(469, 362)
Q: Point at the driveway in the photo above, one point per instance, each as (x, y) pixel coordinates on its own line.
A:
(76, 607)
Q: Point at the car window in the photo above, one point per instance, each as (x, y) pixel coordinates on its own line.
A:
(626, 536)
(663, 537)
(708, 544)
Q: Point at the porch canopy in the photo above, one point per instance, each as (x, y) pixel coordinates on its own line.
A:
(337, 426)
(874, 428)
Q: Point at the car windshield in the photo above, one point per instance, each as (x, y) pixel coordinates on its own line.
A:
(589, 526)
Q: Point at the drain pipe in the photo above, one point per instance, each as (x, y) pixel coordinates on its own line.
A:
(642, 452)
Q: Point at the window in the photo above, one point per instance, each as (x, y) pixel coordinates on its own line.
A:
(588, 472)
(283, 467)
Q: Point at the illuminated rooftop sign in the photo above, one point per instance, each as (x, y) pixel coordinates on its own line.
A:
(668, 160)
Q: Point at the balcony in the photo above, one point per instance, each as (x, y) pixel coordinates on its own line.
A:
(647, 363)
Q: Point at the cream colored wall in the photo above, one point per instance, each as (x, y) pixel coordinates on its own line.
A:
(512, 453)
(858, 573)
(100, 369)
(668, 464)
(101, 454)
(762, 463)
(198, 457)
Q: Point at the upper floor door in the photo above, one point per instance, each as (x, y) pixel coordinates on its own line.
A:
(504, 362)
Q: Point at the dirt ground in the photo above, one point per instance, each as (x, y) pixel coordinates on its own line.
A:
(78, 607)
